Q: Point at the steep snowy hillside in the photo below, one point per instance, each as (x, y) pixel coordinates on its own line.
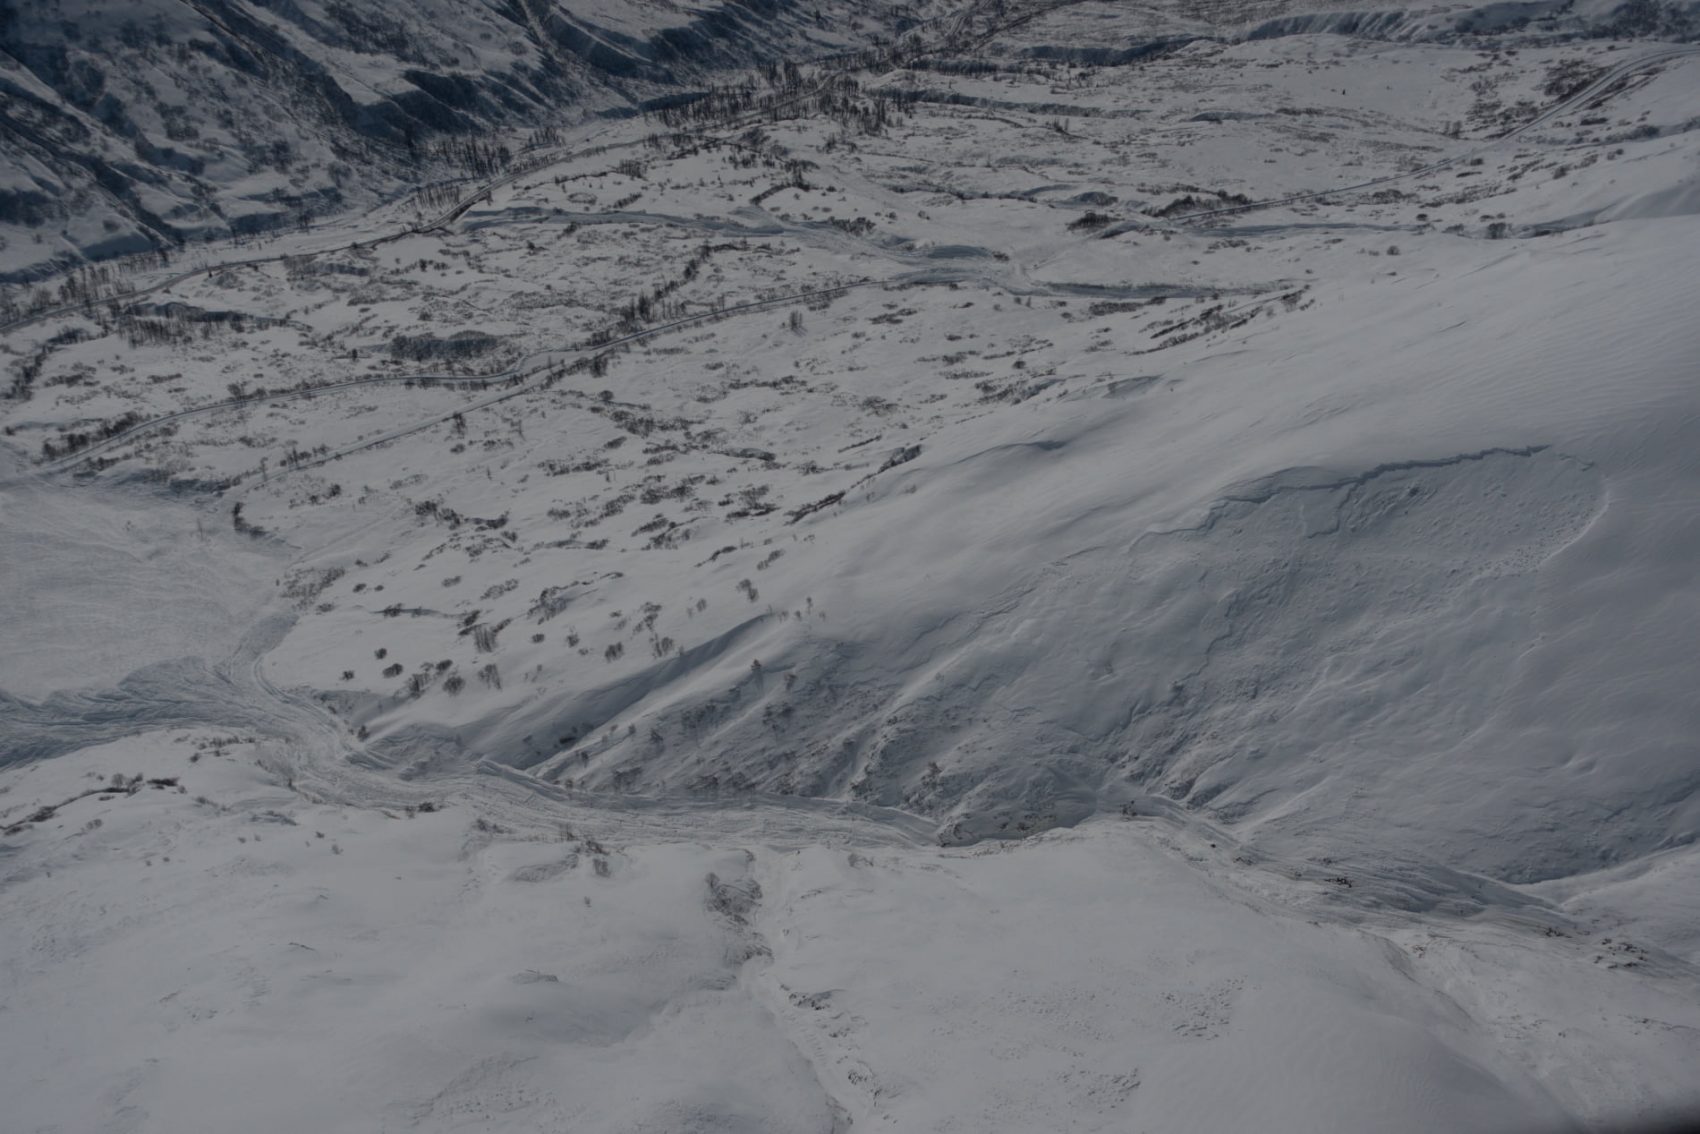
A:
(134, 128)
(1096, 568)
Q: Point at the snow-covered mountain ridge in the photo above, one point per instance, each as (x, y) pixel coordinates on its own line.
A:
(144, 126)
(139, 129)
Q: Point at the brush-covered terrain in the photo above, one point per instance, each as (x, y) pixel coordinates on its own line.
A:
(1061, 566)
(131, 128)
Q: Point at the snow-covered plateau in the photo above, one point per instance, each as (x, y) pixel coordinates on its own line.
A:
(1020, 566)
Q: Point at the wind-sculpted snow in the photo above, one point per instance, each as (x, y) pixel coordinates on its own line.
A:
(168, 695)
(1313, 629)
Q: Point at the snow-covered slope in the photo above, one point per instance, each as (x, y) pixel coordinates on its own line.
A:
(227, 955)
(1045, 591)
(134, 128)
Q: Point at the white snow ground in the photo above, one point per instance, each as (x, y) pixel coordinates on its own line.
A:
(1100, 671)
(239, 959)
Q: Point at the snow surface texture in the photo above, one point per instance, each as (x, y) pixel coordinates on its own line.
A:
(1041, 590)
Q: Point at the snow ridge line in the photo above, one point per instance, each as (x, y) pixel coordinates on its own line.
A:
(1275, 488)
